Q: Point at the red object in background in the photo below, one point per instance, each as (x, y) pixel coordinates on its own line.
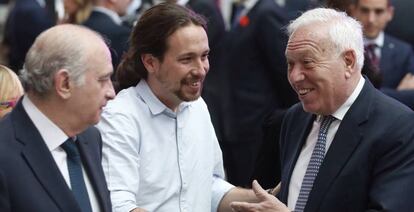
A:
(244, 21)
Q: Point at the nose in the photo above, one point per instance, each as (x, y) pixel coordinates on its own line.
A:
(371, 17)
(295, 74)
(201, 67)
(110, 92)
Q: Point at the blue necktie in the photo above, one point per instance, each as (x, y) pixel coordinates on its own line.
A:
(76, 176)
(315, 162)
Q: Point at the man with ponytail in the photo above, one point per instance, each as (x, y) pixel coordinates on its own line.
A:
(160, 149)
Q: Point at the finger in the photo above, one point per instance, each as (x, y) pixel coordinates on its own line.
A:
(242, 206)
(276, 190)
(259, 191)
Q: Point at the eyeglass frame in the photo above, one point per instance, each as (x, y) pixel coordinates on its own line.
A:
(4, 105)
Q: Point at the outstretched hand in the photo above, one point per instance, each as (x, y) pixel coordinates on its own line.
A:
(267, 202)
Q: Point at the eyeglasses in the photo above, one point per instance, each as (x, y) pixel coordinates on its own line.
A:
(8, 104)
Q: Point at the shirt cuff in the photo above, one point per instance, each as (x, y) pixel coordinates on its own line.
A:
(219, 189)
(123, 201)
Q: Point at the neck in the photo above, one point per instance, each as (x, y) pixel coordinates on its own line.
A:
(166, 97)
(54, 110)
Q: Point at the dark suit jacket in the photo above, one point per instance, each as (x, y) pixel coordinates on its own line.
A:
(397, 59)
(116, 35)
(257, 69)
(401, 24)
(296, 7)
(29, 177)
(25, 22)
(370, 163)
(256, 79)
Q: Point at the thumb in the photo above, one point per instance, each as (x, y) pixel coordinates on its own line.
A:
(261, 194)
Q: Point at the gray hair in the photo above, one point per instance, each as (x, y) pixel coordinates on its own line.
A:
(344, 31)
(61, 47)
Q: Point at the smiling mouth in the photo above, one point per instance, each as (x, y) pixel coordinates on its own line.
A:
(304, 91)
(195, 84)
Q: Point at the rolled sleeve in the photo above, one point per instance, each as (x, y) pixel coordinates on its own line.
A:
(219, 189)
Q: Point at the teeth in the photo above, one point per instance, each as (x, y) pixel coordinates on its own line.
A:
(304, 91)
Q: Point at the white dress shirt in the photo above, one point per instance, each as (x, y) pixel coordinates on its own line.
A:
(159, 160)
(302, 163)
(54, 137)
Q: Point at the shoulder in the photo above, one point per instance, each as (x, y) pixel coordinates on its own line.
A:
(6, 131)
(295, 112)
(122, 112)
(389, 105)
(91, 132)
(199, 105)
(393, 42)
(124, 101)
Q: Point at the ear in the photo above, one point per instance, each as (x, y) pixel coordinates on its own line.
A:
(349, 57)
(150, 62)
(63, 84)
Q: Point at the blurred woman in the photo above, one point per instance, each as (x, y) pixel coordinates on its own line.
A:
(77, 11)
(10, 90)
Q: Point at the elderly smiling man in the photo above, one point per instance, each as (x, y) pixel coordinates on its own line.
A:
(347, 146)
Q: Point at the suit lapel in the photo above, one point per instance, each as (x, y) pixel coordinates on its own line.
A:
(40, 160)
(346, 139)
(91, 162)
(297, 147)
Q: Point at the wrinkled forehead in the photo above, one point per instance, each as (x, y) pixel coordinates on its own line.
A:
(312, 38)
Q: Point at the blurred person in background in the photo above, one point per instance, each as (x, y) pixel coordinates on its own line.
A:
(10, 90)
(77, 11)
(368, 69)
(26, 20)
(393, 57)
(255, 84)
(401, 24)
(106, 20)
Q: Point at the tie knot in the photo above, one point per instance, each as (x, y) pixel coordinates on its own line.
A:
(371, 46)
(70, 148)
(326, 122)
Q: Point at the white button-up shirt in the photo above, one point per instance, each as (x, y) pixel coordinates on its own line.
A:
(160, 160)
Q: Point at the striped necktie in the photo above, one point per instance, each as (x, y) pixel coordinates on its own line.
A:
(315, 162)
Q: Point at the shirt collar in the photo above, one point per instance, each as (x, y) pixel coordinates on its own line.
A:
(50, 132)
(340, 113)
(155, 105)
(379, 40)
(113, 15)
(248, 4)
(42, 3)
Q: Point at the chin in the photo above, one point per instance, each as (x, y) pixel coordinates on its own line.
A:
(190, 99)
(310, 108)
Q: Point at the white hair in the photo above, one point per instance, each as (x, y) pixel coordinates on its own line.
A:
(344, 31)
(61, 47)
